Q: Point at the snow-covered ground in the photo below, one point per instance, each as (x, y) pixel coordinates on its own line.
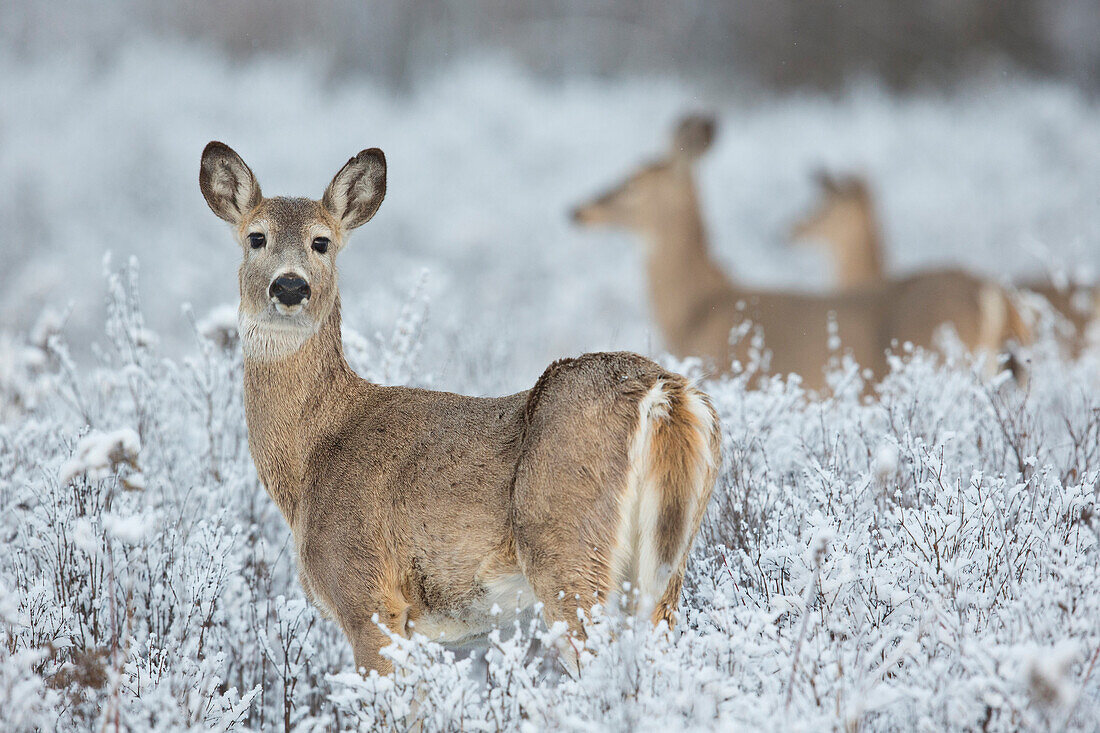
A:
(926, 560)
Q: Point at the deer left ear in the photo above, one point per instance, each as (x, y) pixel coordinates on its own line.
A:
(693, 136)
(825, 181)
(357, 190)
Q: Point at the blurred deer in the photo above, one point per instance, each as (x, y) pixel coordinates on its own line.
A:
(429, 511)
(844, 222)
(697, 305)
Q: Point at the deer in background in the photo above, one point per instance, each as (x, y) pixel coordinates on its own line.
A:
(845, 223)
(697, 305)
(425, 510)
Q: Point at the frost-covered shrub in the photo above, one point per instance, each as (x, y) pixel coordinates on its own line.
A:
(922, 558)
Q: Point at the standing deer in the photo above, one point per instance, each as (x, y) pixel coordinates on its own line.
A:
(425, 510)
(845, 223)
(697, 305)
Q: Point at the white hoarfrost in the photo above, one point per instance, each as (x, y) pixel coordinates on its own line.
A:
(924, 560)
(98, 454)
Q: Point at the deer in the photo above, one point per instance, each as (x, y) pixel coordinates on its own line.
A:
(844, 222)
(697, 304)
(422, 512)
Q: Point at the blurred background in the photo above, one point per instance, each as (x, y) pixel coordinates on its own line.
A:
(780, 44)
(975, 121)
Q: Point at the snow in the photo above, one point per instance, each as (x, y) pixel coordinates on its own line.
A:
(219, 325)
(84, 536)
(923, 560)
(129, 530)
(1048, 674)
(99, 453)
(886, 461)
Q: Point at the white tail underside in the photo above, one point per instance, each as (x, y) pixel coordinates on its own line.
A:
(636, 559)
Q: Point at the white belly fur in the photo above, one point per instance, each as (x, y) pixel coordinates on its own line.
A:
(506, 598)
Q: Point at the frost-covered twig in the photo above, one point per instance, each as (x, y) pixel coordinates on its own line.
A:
(817, 557)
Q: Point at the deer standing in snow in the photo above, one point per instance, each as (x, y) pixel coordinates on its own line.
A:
(425, 510)
(697, 305)
(845, 223)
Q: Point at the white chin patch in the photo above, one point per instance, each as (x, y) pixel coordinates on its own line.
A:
(289, 310)
(268, 337)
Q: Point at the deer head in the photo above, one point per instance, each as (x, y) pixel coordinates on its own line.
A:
(840, 210)
(289, 245)
(640, 202)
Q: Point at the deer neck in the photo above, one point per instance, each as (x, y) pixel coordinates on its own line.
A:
(289, 403)
(860, 254)
(682, 276)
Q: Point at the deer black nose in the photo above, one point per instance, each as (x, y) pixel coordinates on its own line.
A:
(289, 289)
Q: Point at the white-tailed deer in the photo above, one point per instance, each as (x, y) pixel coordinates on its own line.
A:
(697, 305)
(845, 223)
(428, 510)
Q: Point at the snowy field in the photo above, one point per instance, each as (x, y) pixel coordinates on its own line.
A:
(926, 560)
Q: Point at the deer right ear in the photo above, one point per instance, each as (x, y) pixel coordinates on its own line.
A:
(227, 183)
(825, 181)
(357, 190)
(693, 137)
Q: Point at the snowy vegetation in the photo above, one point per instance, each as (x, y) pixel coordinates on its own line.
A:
(923, 558)
(926, 559)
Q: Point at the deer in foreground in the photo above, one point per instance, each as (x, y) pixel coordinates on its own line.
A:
(424, 510)
(845, 224)
(697, 305)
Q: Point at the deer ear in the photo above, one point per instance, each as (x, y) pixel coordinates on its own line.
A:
(693, 137)
(825, 181)
(227, 183)
(357, 191)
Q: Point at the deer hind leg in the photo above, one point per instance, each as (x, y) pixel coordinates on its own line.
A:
(1001, 325)
(615, 475)
(569, 600)
(1091, 331)
(569, 480)
(992, 326)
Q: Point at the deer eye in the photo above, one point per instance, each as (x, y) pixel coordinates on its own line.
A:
(257, 240)
(320, 245)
